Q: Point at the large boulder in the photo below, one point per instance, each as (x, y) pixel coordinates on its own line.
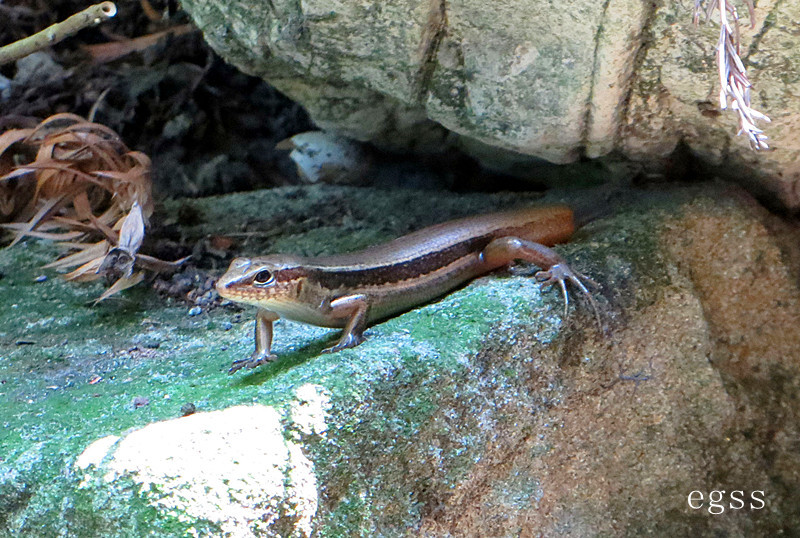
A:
(521, 81)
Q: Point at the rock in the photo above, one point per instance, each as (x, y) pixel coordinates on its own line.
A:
(321, 156)
(38, 66)
(183, 466)
(149, 340)
(482, 414)
(557, 81)
(5, 88)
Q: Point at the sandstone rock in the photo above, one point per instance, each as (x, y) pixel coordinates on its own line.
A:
(482, 414)
(555, 80)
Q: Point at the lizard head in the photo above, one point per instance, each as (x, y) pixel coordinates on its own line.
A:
(262, 281)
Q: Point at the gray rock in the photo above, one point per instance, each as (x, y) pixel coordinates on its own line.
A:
(39, 66)
(549, 80)
(482, 414)
(5, 88)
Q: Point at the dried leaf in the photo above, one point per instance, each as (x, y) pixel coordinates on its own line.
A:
(65, 236)
(46, 208)
(81, 184)
(87, 253)
(9, 138)
(734, 84)
(86, 272)
(131, 234)
(122, 284)
(159, 266)
(107, 52)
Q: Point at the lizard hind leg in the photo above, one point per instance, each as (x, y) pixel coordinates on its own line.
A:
(353, 307)
(555, 269)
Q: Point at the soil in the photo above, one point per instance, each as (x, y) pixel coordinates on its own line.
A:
(208, 128)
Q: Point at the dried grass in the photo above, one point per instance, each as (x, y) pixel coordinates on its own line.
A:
(75, 182)
(734, 84)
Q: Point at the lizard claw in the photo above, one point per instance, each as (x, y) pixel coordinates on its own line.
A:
(560, 273)
(347, 341)
(253, 361)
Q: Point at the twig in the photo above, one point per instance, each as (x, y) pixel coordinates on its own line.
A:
(53, 34)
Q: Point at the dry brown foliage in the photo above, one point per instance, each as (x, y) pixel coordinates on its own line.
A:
(74, 181)
(734, 84)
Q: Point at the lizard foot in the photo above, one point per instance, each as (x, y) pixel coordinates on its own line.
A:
(559, 274)
(348, 340)
(255, 360)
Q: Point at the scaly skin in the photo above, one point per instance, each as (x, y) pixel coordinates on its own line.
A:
(354, 290)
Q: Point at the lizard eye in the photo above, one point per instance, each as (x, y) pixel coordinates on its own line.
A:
(262, 278)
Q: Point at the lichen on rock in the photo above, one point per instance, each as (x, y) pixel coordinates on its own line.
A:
(482, 414)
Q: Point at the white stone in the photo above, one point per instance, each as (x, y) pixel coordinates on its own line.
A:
(232, 467)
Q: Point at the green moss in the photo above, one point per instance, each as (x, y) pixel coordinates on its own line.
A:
(409, 408)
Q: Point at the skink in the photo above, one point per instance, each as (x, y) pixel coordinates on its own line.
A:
(354, 290)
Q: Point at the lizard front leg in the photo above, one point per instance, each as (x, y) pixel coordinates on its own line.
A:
(555, 269)
(354, 308)
(263, 339)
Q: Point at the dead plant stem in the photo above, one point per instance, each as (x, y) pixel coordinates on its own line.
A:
(53, 34)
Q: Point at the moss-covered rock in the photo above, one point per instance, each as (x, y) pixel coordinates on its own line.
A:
(482, 414)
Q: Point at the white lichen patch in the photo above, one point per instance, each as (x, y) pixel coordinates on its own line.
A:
(310, 409)
(308, 414)
(233, 468)
(94, 453)
(329, 157)
(303, 491)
